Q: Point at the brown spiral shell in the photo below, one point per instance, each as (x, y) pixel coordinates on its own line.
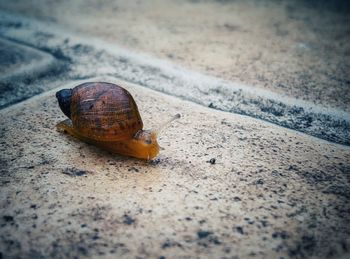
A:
(105, 112)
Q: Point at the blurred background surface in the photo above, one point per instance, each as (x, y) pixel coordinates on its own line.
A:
(295, 48)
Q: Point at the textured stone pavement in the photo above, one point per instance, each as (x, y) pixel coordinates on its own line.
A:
(272, 192)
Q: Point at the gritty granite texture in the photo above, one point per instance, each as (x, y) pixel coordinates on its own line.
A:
(297, 48)
(79, 57)
(224, 185)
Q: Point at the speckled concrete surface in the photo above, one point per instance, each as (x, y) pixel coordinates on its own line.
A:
(224, 185)
(271, 192)
(297, 48)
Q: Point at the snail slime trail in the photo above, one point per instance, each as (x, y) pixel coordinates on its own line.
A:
(106, 115)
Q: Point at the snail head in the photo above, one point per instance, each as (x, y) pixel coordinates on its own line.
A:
(147, 144)
(145, 141)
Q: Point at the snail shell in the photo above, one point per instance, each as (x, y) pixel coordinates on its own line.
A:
(105, 112)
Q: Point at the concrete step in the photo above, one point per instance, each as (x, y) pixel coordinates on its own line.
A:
(271, 192)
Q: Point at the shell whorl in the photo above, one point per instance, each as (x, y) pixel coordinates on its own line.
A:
(104, 112)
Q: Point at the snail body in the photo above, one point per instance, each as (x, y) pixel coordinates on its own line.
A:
(106, 115)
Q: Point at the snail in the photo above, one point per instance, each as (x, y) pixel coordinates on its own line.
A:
(106, 115)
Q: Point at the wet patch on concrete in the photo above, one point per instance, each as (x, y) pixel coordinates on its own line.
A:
(89, 57)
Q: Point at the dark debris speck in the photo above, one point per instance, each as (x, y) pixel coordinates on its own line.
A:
(74, 172)
(7, 218)
(282, 234)
(240, 230)
(168, 243)
(128, 220)
(212, 161)
(82, 250)
(203, 234)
